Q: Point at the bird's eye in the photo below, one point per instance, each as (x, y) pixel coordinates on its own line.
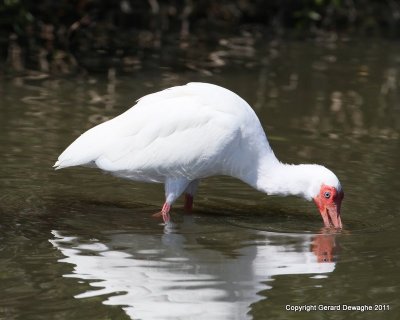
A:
(327, 194)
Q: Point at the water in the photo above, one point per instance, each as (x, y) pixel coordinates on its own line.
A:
(79, 244)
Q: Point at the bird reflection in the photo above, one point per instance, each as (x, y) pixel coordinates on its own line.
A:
(324, 247)
(188, 271)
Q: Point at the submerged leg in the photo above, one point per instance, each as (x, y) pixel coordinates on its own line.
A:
(189, 194)
(188, 206)
(174, 187)
(164, 213)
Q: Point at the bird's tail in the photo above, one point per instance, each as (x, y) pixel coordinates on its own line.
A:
(84, 150)
(57, 165)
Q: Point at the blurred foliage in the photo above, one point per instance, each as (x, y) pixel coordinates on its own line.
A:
(64, 35)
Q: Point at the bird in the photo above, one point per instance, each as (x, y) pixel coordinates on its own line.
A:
(186, 133)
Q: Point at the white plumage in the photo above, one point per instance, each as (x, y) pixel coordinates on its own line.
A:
(182, 134)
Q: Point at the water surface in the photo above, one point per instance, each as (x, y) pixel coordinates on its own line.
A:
(80, 244)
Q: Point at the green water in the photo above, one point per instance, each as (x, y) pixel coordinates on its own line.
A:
(80, 244)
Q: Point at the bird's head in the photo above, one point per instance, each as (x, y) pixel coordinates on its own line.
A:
(327, 194)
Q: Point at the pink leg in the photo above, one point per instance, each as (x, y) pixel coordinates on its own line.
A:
(164, 213)
(188, 202)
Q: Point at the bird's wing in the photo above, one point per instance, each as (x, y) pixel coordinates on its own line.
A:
(175, 132)
(178, 137)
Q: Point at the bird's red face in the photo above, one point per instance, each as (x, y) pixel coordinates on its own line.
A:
(328, 202)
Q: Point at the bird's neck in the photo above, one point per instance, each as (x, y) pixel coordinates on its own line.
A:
(276, 178)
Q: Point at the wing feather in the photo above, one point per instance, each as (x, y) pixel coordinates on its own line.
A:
(187, 141)
(180, 131)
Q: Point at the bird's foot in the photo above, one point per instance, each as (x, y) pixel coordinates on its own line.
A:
(164, 213)
(188, 206)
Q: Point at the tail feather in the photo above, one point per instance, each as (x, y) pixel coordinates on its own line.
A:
(84, 149)
(63, 164)
(56, 166)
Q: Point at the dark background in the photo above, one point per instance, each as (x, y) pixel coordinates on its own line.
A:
(64, 37)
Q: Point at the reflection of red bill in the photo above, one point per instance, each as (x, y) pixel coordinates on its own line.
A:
(323, 246)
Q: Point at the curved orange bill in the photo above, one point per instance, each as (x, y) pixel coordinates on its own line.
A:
(331, 216)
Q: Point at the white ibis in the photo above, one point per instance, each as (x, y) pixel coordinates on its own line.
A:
(182, 134)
